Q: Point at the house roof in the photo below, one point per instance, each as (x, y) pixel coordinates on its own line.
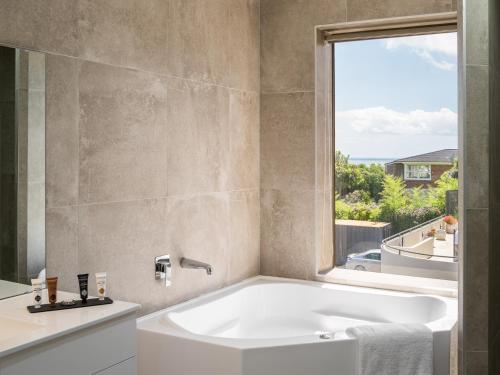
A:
(445, 156)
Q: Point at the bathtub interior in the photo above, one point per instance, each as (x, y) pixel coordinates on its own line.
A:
(270, 309)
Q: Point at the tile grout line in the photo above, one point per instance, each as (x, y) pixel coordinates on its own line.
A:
(287, 92)
(159, 74)
(186, 196)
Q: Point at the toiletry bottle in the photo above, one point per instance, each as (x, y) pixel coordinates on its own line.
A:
(83, 282)
(37, 292)
(52, 289)
(100, 278)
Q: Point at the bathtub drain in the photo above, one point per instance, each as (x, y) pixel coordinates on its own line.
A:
(325, 336)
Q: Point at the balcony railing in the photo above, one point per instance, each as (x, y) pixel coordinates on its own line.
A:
(397, 248)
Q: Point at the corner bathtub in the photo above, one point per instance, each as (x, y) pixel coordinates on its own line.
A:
(272, 326)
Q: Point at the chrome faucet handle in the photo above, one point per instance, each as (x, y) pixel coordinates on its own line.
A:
(163, 269)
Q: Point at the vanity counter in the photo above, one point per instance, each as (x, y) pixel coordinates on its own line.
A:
(20, 330)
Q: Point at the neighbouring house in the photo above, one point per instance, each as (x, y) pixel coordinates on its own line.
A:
(422, 170)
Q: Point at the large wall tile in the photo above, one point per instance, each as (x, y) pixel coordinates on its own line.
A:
(48, 26)
(198, 37)
(62, 246)
(494, 136)
(287, 234)
(371, 9)
(476, 37)
(198, 137)
(287, 141)
(244, 236)
(62, 113)
(476, 194)
(123, 239)
(244, 145)
(494, 282)
(123, 134)
(475, 295)
(129, 33)
(288, 41)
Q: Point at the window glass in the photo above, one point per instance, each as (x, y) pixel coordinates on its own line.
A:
(396, 155)
(418, 172)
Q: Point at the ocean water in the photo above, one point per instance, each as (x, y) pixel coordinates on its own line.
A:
(369, 161)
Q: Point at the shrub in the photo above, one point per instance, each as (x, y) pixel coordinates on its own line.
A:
(356, 211)
(408, 217)
(437, 195)
(358, 196)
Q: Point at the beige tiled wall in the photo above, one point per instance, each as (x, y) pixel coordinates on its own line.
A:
(152, 138)
(287, 131)
(494, 257)
(475, 169)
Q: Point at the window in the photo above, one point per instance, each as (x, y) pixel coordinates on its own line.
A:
(418, 172)
(395, 124)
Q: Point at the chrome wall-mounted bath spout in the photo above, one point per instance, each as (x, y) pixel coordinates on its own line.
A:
(195, 264)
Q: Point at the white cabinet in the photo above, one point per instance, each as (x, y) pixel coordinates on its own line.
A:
(108, 348)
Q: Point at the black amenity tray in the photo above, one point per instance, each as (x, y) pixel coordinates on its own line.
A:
(78, 304)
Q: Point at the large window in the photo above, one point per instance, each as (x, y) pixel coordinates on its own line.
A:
(418, 172)
(396, 155)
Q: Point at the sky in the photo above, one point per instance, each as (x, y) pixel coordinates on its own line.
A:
(396, 97)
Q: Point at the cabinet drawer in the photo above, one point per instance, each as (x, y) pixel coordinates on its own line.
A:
(84, 352)
(128, 367)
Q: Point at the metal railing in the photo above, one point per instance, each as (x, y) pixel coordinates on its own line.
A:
(401, 234)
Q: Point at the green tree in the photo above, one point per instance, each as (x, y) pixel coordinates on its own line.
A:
(417, 197)
(350, 177)
(373, 176)
(393, 196)
(437, 195)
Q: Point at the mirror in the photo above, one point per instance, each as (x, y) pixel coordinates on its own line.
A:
(22, 169)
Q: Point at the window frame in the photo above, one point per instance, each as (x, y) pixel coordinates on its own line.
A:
(324, 214)
(407, 168)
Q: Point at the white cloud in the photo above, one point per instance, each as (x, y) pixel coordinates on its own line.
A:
(381, 120)
(428, 46)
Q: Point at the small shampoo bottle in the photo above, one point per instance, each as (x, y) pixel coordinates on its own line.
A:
(100, 278)
(37, 292)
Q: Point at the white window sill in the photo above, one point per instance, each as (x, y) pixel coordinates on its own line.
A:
(444, 288)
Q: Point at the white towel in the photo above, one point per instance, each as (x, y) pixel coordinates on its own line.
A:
(394, 349)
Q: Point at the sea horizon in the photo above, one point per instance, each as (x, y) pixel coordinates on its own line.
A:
(368, 160)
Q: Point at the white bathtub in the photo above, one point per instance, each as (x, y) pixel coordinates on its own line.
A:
(272, 326)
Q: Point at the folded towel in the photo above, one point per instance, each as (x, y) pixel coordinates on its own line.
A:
(394, 349)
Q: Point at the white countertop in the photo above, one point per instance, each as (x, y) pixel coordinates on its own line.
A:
(20, 329)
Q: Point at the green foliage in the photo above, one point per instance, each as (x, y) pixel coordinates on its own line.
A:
(358, 196)
(417, 197)
(393, 195)
(407, 217)
(367, 193)
(437, 196)
(373, 176)
(350, 177)
(356, 211)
